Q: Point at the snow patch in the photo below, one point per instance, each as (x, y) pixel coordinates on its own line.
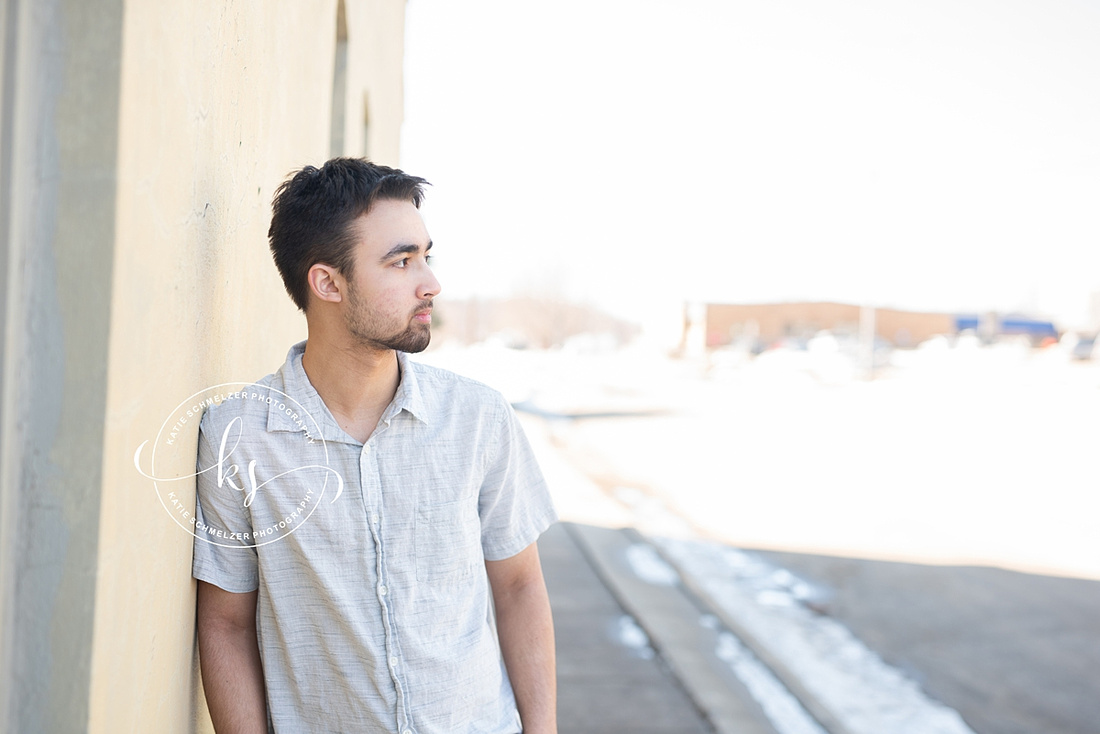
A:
(648, 565)
(850, 680)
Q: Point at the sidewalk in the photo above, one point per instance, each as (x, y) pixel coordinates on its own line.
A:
(634, 656)
(660, 631)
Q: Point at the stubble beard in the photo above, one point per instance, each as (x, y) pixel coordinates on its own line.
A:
(365, 329)
(412, 340)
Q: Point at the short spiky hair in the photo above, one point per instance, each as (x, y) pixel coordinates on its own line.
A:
(313, 209)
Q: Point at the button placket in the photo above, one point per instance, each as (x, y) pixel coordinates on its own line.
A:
(369, 469)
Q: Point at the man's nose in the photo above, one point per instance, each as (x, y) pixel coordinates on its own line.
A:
(429, 286)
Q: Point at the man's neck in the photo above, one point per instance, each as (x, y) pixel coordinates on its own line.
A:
(356, 383)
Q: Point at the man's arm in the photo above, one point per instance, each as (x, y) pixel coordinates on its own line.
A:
(526, 633)
(229, 657)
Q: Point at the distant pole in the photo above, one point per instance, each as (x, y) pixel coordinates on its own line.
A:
(693, 339)
(867, 341)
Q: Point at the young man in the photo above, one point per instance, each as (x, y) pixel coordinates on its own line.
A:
(381, 576)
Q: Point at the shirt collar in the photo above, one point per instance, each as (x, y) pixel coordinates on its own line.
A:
(298, 395)
(408, 396)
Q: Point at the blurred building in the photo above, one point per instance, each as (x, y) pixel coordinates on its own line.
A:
(770, 323)
(993, 326)
(140, 144)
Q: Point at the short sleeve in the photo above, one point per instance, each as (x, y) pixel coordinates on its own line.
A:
(223, 555)
(514, 505)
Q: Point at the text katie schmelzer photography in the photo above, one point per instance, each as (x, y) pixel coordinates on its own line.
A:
(241, 476)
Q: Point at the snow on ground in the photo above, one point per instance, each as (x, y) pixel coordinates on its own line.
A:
(957, 455)
(851, 681)
(782, 709)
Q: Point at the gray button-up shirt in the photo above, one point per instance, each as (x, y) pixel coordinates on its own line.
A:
(374, 611)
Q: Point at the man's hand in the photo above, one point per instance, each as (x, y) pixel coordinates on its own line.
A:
(526, 632)
(229, 657)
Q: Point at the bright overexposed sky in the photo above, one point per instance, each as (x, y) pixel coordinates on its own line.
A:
(932, 154)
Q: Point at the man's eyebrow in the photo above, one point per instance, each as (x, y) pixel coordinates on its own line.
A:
(404, 249)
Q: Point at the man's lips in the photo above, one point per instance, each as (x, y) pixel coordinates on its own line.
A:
(424, 317)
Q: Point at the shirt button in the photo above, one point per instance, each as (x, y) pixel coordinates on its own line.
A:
(374, 518)
(382, 589)
(393, 662)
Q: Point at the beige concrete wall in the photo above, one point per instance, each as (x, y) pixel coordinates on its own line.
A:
(138, 273)
(375, 79)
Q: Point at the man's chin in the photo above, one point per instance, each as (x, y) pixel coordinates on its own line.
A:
(413, 342)
(419, 346)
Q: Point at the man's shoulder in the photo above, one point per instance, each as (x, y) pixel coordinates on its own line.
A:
(249, 402)
(440, 386)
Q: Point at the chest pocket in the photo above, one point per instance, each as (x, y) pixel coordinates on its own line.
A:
(448, 541)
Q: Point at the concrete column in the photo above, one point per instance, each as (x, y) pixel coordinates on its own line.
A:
(60, 143)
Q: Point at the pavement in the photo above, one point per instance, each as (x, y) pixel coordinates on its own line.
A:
(644, 643)
(636, 654)
(1013, 653)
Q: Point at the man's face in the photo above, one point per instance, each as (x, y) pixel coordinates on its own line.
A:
(390, 292)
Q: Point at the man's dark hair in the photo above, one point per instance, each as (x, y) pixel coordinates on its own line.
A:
(312, 212)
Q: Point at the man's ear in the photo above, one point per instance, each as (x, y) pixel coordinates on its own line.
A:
(326, 283)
